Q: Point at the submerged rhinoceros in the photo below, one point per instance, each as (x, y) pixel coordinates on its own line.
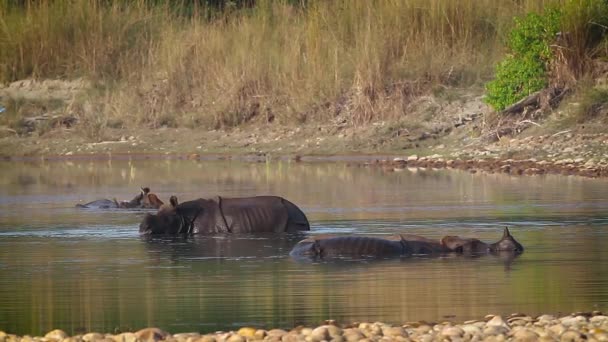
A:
(145, 199)
(226, 215)
(403, 245)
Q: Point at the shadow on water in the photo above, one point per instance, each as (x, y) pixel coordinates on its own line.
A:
(82, 270)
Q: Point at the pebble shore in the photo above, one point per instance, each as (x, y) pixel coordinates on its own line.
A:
(590, 326)
(578, 167)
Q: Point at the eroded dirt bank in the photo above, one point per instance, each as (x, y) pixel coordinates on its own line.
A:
(451, 129)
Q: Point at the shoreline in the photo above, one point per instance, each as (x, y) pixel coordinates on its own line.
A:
(388, 162)
(589, 326)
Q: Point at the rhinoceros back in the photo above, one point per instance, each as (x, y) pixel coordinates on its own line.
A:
(254, 214)
(358, 246)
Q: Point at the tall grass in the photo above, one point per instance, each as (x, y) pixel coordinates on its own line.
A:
(358, 61)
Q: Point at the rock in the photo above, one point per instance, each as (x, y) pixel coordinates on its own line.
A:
(246, 331)
(570, 321)
(497, 321)
(557, 329)
(572, 336)
(471, 329)
(452, 332)
(236, 338)
(126, 337)
(151, 334)
(495, 330)
(353, 335)
(276, 332)
(260, 334)
(599, 320)
(525, 335)
(412, 158)
(333, 330)
(319, 334)
(56, 334)
(394, 331)
(545, 318)
(92, 336)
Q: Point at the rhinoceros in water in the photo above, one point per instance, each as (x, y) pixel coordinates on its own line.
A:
(260, 214)
(402, 245)
(145, 199)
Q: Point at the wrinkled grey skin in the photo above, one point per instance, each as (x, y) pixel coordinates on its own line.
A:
(404, 245)
(136, 202)
(261, 214)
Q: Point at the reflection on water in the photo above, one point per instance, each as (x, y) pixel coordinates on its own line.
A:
(87, 270)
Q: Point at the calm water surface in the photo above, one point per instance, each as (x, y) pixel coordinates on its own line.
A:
(86, 270)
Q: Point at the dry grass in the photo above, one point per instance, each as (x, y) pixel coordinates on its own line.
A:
(354, 61)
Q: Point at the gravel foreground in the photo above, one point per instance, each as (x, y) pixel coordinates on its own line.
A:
(584, 326)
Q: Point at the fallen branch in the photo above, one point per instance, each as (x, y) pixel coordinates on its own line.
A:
(528, 122)
(532, 99)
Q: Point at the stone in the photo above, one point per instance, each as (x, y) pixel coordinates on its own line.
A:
(495, 330)
(572, 336)
(56, 335)
(206, 338)
(186, 336)
(92, 336)
(334, 330)
(126, 337)
(471, 329)
(570, 321)
(276, 332)
(319, 334)
(557, 329)
(246, 331)
(525, 335)
(545, 318)
(260, 334)
(394, 331)
(497, 321)
(598, 320)
(412, 158)
(236, 338)
(452, 332)
(306, 331)
(151, 334)
(353, 335)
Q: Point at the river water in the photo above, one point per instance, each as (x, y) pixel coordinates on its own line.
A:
(86, 270)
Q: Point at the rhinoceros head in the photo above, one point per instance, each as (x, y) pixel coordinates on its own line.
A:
(507, 244)
(170, 219)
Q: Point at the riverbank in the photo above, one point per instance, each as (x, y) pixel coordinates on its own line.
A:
(583, 326)
(567, 152)
(454, 128)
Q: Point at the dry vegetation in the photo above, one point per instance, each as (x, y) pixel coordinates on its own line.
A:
(155, 66)
(352, 62)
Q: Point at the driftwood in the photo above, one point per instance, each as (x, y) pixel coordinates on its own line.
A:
(521, 115)
(531, 100)
(55, 120)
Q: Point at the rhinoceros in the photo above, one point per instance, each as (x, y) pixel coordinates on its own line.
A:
(402, 245)
(260, 214)
(145, 199)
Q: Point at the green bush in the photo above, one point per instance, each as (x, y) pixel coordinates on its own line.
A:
(524, 70)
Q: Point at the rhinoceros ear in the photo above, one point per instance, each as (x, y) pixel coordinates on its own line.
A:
(173, 201)
(506, 233)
